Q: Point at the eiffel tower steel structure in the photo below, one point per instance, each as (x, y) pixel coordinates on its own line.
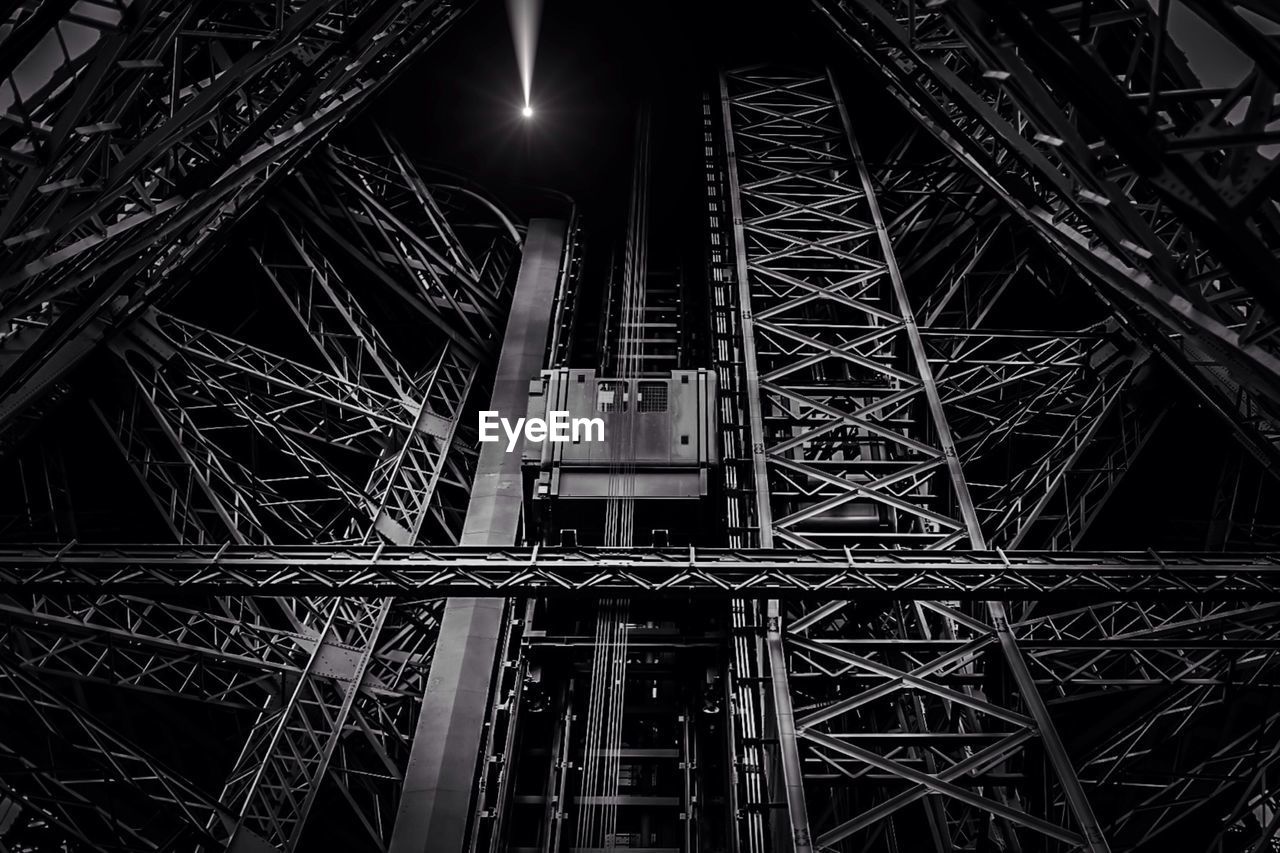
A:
(918, 441)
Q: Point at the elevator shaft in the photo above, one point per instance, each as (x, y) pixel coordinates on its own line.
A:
(621, 714)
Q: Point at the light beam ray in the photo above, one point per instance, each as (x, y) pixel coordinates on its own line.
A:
(525, 16)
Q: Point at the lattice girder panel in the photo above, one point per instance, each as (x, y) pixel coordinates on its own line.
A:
(961, 252)
(233, 661)
(427, 571)
(420, 491)
(237, 663)
(169, 131)
(234, 83)
(981, 274)
(185, 477)
(1189, 771)
(977, 96)
(1025, 410)
(1205, 162)
(1047, 423)
(1240, 770)
(966, 261)
(157, 807)
(903, 733)
(391, 222)
(852, 409)
(51, 813)
(1196, 675)
(839, 395)
(177, 664)
(994, 384)
(276, 777)
(357, 48)
(345, 336)
(397, 196)
(407, 480)
(314, 404)
(163, 648)
(366, 763)
(1151, 663)
(187, 462)
(295, 741)
(1111, 225)
(241, 411)
(1126, 646)
(1097, 472)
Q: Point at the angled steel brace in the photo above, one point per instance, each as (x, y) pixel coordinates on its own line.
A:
(115, 763)
(310, 103)
(947, 107)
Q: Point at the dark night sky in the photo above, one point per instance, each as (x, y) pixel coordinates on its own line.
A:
(460, 106)
(596, 59)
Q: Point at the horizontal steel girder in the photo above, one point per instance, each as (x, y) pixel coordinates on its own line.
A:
(832, 574)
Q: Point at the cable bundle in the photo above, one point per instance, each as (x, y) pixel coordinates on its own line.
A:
(602, 756)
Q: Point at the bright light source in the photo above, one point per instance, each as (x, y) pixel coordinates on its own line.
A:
(525, 17)
(527, 112)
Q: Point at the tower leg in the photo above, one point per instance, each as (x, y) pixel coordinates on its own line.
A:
(435, 803)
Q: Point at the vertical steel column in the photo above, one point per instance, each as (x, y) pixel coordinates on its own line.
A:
(798, 839)
(441, 773)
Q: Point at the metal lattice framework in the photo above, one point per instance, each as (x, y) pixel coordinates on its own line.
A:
(915, 438)
(853, 447)
(136, 134)
(790, 203)
(428, 571)
(877, 422)
(1089, 125)
(353, 441)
